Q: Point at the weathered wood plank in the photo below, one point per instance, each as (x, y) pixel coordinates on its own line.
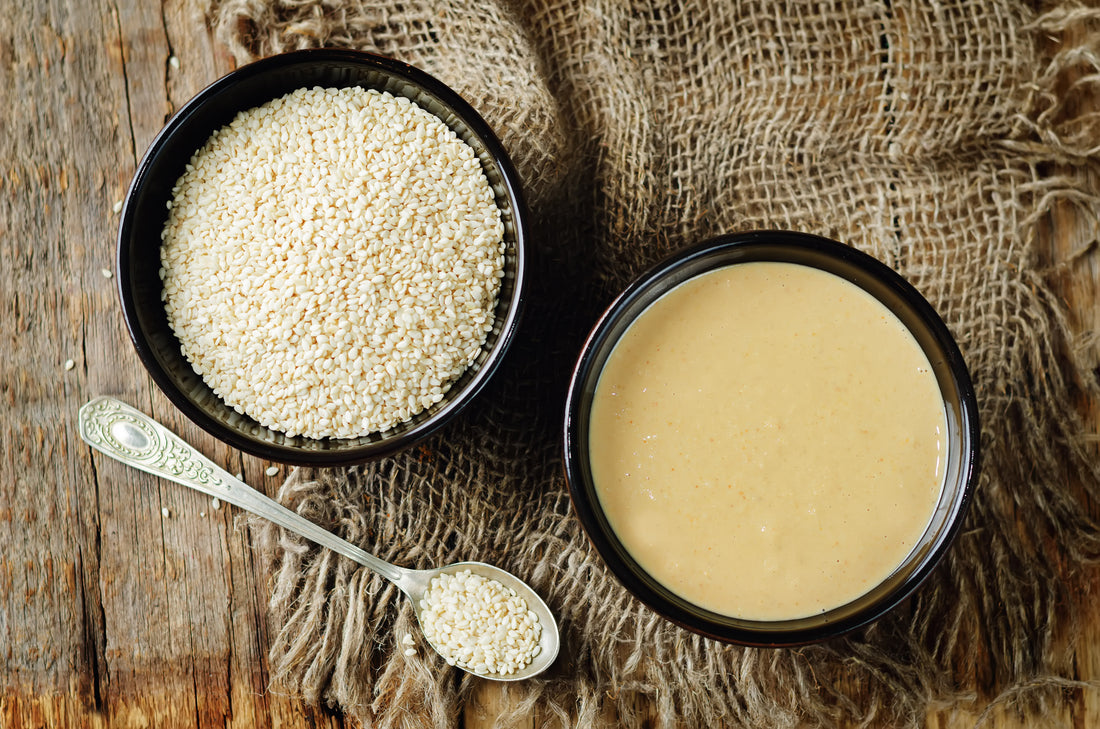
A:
(61, 147)
(112, 614)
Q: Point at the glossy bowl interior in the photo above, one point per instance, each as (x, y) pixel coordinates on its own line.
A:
(145, 212)
(886, 286)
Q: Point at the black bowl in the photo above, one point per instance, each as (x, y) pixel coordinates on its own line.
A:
(899, 297)
(144, 215)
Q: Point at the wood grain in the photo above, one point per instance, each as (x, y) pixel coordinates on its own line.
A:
(113, 615)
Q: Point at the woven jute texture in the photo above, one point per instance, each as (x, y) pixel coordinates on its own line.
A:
(938, 137)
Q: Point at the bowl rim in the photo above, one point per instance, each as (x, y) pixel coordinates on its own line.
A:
(765, 245)
(281, 452)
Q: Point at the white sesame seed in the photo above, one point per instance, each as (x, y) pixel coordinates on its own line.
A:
(117, 206)
(410, 651)
(106, 272)
(69, 364)
(165, 512)
(173, 62)
(272, 470)
(479, 624)
(336, 247)
(216, 503)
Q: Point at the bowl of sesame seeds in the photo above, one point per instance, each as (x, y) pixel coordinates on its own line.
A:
(321, 257)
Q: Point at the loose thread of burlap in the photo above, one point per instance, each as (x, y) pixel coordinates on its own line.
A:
(939, 138)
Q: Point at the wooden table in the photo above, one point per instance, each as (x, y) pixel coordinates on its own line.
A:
(112, 613)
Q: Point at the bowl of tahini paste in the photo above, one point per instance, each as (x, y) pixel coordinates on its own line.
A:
(771, 438)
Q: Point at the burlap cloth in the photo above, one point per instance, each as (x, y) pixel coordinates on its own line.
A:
(936, 136)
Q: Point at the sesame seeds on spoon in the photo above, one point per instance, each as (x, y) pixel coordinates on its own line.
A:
(479, 624)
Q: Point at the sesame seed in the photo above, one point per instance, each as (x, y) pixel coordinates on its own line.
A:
(216, 503)
(272, 470)
(479, 624)
(165, 512)
(69, 364)
(365, 254)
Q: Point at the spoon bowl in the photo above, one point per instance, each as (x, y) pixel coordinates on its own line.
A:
(130, 436)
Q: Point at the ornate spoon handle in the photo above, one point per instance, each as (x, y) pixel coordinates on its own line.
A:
(128, 435)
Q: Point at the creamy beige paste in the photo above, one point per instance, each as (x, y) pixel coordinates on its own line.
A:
(767, 441)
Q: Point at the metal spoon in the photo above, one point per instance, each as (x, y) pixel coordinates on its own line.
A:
(130, 436)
